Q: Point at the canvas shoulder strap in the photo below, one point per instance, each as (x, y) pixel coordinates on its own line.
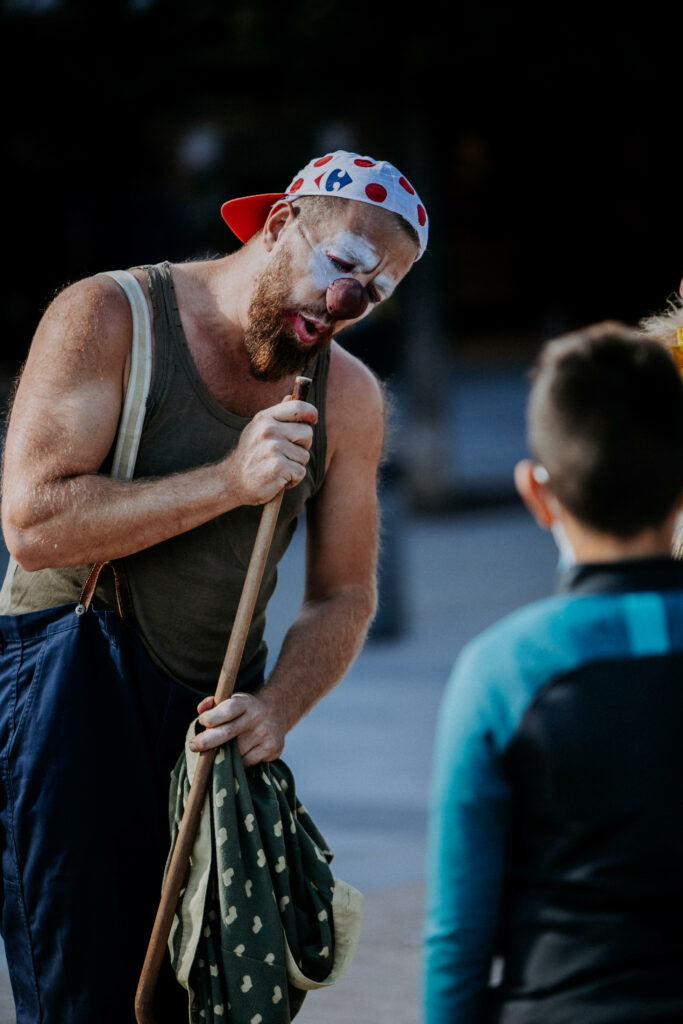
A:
(130, 426)
(133, 414)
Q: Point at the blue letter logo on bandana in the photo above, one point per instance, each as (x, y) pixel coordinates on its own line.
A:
(337, 180)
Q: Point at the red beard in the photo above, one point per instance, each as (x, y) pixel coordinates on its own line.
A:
(274, 350)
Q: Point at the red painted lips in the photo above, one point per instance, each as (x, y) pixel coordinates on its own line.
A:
(309, 329)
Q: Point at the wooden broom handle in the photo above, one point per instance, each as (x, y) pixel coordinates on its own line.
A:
(195, 800)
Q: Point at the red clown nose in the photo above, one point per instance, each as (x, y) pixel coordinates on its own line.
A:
(346, 299)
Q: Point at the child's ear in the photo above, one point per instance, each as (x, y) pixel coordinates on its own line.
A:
(534, 493)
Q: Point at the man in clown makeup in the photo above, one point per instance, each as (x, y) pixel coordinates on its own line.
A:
(93, 706)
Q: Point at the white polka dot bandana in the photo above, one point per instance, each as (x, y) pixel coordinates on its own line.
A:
(376, 182)
(343, 174)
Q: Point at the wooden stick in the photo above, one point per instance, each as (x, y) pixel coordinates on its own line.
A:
(195, 800)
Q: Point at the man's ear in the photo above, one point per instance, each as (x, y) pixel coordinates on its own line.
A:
(281, 213)
(534, 493)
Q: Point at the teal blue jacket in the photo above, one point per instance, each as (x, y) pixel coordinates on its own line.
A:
(556, 836)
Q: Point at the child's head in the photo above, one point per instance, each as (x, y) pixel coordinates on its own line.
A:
(605, 421)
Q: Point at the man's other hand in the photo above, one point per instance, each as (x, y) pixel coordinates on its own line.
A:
(247, 717)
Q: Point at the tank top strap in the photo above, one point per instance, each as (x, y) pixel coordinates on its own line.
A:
(319, 370)
(167, 328)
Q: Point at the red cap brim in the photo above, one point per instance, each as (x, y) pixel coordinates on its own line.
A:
(247, 215)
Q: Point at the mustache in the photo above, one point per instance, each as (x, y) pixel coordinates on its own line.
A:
(318, 313)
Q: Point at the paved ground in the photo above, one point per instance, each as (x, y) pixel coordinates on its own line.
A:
(362, 757)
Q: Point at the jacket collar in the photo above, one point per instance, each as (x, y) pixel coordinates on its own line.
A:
(621, 577)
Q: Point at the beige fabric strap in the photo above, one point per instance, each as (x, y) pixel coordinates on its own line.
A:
(130, 427)
(133, 413)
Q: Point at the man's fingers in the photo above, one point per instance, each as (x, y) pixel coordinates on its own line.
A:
(296, 452)
(215, 737)
(240, 717)
(293, 410)
(258, 745)
(300, 434)
(256, 755)
(226, 711)
(254, 744)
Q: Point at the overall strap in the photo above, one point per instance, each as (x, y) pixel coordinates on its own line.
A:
(130, 427)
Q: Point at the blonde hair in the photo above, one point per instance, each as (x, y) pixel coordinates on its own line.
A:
(663, 327)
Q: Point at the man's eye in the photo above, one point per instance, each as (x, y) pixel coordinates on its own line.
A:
(339, 264)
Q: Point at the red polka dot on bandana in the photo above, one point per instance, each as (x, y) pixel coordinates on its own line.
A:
(376, 192)
(322, 160)
(406, 185)
(421, 216)
(364, 163)
(297, 185)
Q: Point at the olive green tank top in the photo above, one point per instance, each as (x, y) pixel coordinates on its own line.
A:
(185, 590)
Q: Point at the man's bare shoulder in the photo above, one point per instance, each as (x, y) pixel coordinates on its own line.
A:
(89, 319)
(351, 381)
(79, 356)
(355, 403)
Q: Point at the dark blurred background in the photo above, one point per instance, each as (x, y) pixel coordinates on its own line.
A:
(545, 144)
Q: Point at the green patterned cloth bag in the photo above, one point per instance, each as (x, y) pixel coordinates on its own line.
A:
(261, 918)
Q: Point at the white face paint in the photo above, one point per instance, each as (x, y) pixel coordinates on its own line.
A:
(344, 254)
(354, 249)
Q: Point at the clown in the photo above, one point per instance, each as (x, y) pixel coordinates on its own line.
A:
(219, 439)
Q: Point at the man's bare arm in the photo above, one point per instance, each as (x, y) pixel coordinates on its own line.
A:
(340, 592)
(57, 509)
